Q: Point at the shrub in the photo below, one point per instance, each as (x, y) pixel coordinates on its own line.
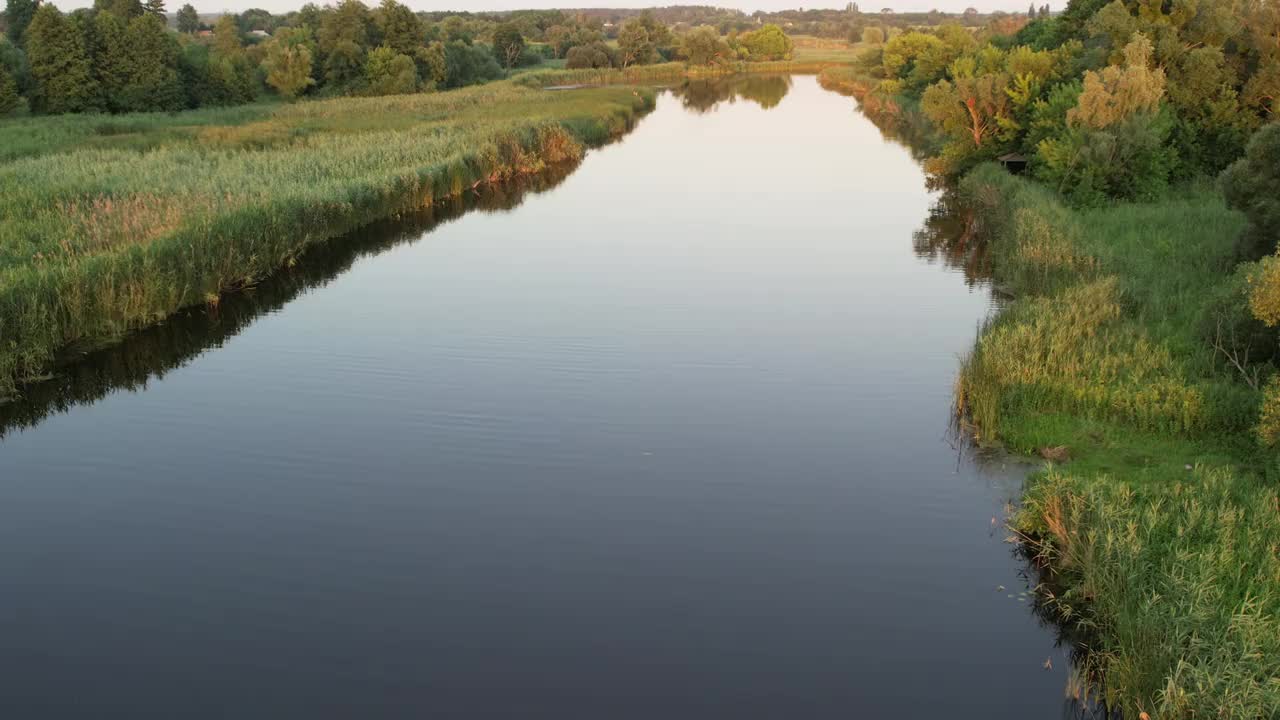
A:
(1252, 186)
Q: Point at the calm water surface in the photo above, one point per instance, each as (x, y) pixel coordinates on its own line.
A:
(664, 438)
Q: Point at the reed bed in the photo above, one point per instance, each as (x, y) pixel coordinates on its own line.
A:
(106, 231)
(1161, 534)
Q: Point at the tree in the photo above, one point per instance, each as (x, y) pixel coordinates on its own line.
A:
(1252, 185)
(347, 23)
(1116, 93)
(973, 107)
(704, 46)
(469, 64)
(124, 9)
(226, 37)
(155, 8)
(344, 65)
(390, 73)
(113, 63)
(18, 15)
(873, 35)
(9, 99)
(188, 20)
(400, 27)
(768, 43)
(508, 44)
(153, 82)
(60, 65)
(635, 47)
(288, 62)
(593, 55)
(903, 51)
(432, 62)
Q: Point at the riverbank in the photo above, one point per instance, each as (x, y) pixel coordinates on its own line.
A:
(110, 224)
(1156, 525)
(1154, 521)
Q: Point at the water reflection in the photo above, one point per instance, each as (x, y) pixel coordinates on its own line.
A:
(949, 236)
(705, 95)
(152, 353)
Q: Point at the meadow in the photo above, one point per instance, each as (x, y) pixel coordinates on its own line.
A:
(112, 223)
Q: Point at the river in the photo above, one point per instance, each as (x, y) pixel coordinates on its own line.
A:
(666, 436)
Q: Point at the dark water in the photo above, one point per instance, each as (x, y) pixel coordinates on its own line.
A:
(664, 438)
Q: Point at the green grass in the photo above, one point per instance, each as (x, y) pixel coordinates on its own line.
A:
(109, 224)
(1161, 534)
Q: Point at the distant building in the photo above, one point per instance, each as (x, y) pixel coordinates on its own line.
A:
(259, 34)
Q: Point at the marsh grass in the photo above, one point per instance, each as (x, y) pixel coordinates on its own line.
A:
(1161, 536)
(102, 233)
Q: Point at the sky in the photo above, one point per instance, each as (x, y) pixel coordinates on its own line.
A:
(280, 6)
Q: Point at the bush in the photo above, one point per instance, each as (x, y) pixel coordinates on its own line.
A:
(1252, 186)
(594, 56)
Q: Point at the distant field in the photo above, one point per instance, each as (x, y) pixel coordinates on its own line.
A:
(814, 49)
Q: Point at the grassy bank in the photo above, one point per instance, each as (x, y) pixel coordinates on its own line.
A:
(109, 224)
(1161, 531)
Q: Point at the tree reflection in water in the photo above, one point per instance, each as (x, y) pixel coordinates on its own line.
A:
(705, 95)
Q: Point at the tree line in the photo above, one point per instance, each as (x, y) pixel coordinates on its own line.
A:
(1109, 99)
(122, 56)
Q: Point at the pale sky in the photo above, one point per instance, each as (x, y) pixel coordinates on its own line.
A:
(282, 6)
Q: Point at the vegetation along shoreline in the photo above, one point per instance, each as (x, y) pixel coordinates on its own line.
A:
(1137, 353)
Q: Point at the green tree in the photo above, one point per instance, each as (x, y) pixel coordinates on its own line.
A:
(113, 61)
(226, 37)
(188, 20)
(433, 66)
(18, 15)
(873, 35)
(59, 62)
(469, 64)
(974, 108)
(344, 65)
(400, 27)
(124, 9)
(635, 47)
(347, 23)
(1252, 186)
(153, 78)
(768, 43)
(1117, 93)
(9, 99)
(704, 46)
(508, 44)
(156, 9)
(390, 73)
(288, 62)
(593, 55)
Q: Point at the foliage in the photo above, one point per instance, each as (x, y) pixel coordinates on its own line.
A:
(288, 62)
(1252, 185)
(768, 43)
(704, 46)
(188, 20)
(18, 15)
(1118, 93)
(9, 99)
(390, 73)
(60, 66)
(595, 55)
(508, 44)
